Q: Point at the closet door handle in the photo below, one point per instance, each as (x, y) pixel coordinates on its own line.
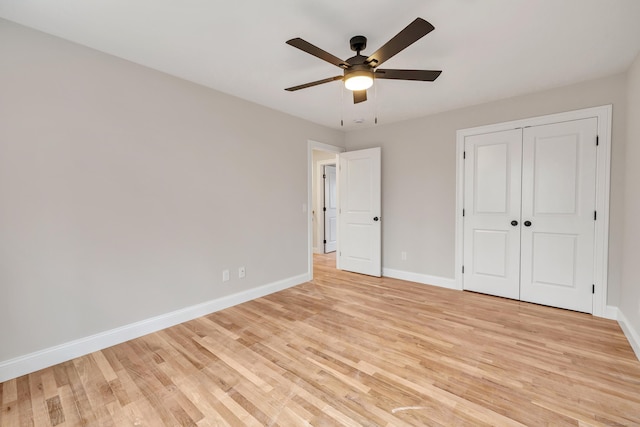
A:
(527, 223)
(514, 222)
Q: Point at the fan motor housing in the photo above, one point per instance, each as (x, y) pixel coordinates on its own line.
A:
(358, 70)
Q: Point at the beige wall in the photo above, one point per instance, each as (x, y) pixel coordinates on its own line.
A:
(630, 292)
(125, 192)
(419, 173)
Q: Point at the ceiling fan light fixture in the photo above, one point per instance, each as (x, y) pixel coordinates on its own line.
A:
(358, 71)
(359, 80)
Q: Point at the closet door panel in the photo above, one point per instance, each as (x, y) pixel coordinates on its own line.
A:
(492, 202)
(558, 200)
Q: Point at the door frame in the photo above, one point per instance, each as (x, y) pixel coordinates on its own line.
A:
(603, 176)
(314, 145)
(320, 196)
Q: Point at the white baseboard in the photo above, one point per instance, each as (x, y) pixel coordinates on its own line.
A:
(424, 279)
(32, 362)
(632, 335)
(610, 312)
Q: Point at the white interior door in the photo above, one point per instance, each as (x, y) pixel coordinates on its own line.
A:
(558, 205)
(330, 209)
(359, 212)
(492, 213)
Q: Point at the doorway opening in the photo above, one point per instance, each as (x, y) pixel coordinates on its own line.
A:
(319, 155)
(359, 231)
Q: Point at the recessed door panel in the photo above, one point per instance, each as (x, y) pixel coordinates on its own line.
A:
(492, 195)
(491, 253)
(556, 174)
(554, 260)
(331, 231)
(359, 195)
(358, 247)
(491, 178)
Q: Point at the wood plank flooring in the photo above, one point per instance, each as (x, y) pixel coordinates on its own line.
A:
(349, 350)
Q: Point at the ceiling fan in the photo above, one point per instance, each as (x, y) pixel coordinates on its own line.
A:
(360, 71)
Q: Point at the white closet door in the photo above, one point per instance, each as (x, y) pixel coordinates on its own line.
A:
(558, 201)
(492, 203)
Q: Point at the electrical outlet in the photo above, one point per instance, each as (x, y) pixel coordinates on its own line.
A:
(225, 275)
(241, 272)
(403, 255)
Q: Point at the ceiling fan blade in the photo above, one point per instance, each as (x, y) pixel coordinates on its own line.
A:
(316, 83)
(359, 96)
(317, 52)
(411, 34)
(422, 75)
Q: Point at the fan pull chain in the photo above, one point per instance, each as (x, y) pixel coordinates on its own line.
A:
(342, 105)
(375, 103)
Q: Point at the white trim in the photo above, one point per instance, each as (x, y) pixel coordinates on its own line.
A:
(611, 312)
(601, 256)
(442, 282)
(632, 335)
(314, 145)
(603, 178)
(32, 362)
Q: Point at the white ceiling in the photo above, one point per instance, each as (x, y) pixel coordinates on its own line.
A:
(487, 49)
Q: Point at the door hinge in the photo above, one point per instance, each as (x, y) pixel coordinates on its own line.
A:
(464, 155)
(324, 176)
(593, 289)
(462, 212)
(325, 242)
(324, 209)
(463, 269)
(595, 215)
(597, 140)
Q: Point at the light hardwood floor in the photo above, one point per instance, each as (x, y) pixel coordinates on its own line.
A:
(348, 349)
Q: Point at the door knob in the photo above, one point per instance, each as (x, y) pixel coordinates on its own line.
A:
(527, 223)
(375, 218)
(514, 222)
